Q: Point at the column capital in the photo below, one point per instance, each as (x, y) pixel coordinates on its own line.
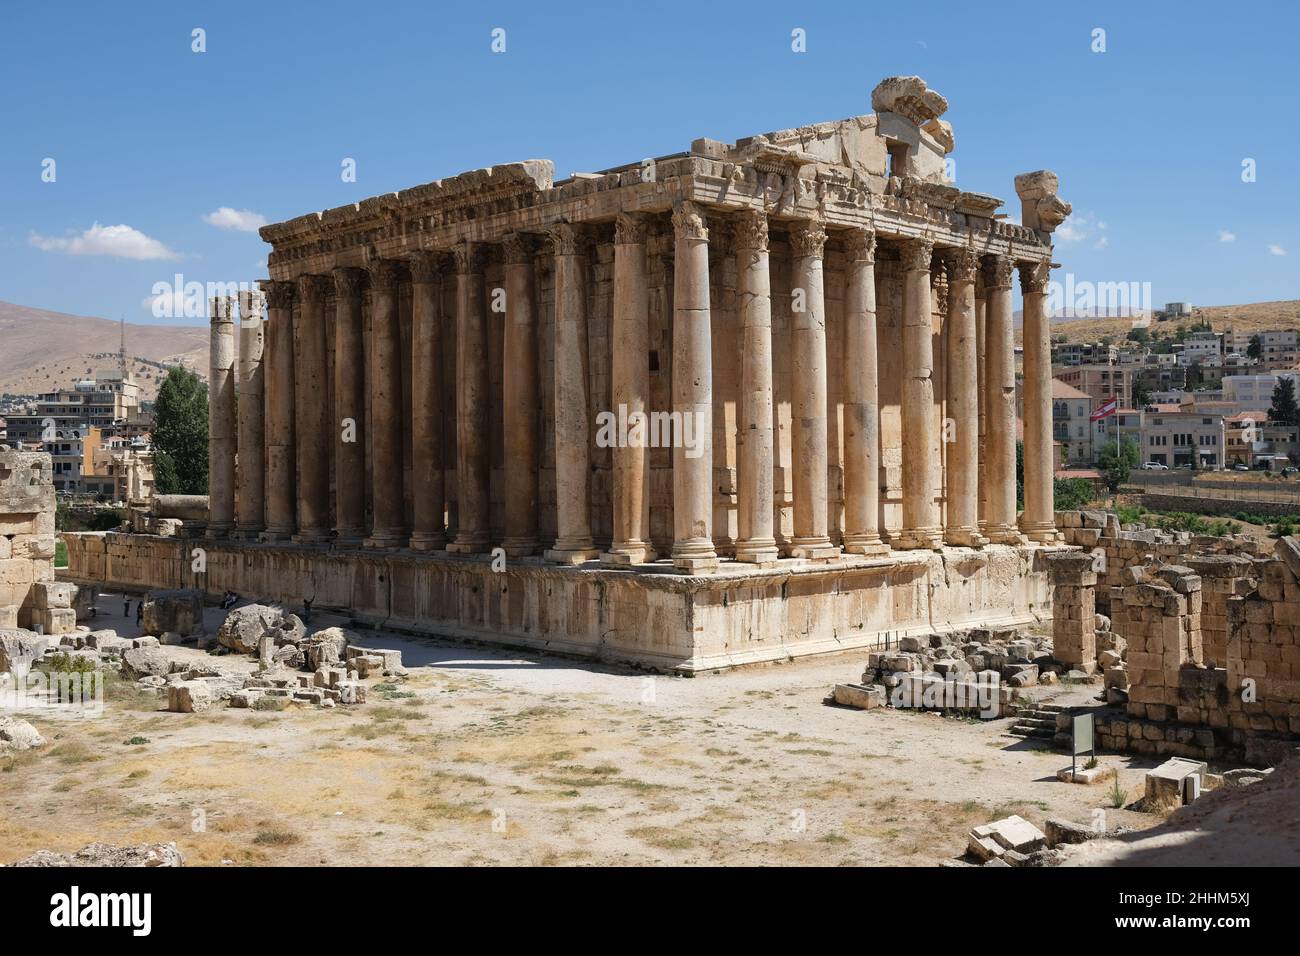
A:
(384, 275)
(426, 266)
(751, 230)
(860, 245)
(630, 229)
(569, 239)
(808, 238)
(916, 254)
(689, 221)
(252, 303)
(518, 248)
(997, 272)
(469, 257)
(312, 288)
(349, 281)
(962, 263)
(221, 308)
(279, 295)
(1034, 276)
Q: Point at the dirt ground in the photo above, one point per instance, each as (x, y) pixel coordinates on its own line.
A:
(489, 757)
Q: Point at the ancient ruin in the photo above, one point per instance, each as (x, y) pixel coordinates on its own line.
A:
(744, 402)
(29, 596)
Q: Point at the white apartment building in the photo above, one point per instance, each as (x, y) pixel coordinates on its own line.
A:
(1201, 348)
(1177, 438)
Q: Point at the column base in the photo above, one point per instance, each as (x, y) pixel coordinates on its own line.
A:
(571, 555)
(694, 556)
(427, 541)
(385, 540)
(274, 536)
(348, 538)
(218, 531)
(313, 536)
(626, 555)
(1009, 536)
(1043, 534)
(696, 565)
(248, 534)
(869, 545)
(964, 538)
(914, 539)
(814, 549)
(520, 547)
(760, 552)
(476, 542)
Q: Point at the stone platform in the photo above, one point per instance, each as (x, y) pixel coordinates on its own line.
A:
(648, 616)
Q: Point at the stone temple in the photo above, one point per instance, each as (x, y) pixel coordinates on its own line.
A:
(738, 403)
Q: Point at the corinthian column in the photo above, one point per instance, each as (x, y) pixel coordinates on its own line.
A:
(861, 399)
(573, 542)
(311, 411)
(280, 454)
(755, 514)
(384, 378)
(221, 418)
(631, 393)
(808, 407)
(962, 527)
(920, 523)
(692, 394)
(981, 368)
(428, 532)
(250, 500)
(521, 399)
(472, 475)
(1038, 520)
(1000, 378)
(349, 410)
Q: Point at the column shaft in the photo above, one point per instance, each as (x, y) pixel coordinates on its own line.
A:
(1000, 379)
(981, 367)
(573, 541)
(962, 526)
(521, 399)
(281, 458)
(920, 522)
(692, 394)
(428, 526)
(861, 399)
(473, 492)
(1039, 519)
(755, 512)
(348, 426)
(221, 418)
(311, 411)
(384, 379)
(808, 406)
(250, 501)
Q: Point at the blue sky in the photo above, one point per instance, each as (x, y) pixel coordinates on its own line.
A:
(1148, 138)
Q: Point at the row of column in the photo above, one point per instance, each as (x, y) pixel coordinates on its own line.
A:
(296, 430)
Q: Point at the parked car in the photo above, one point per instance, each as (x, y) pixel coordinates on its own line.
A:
(1240, 467)
(1154, 466)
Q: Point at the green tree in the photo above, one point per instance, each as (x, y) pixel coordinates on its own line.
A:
(180, 435)
(1116, 460)
(1284, 410)
(1139, 334)
(1256, 347)
(1141, 395)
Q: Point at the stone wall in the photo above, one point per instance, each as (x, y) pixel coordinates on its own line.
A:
(26, 537)
(666, 621)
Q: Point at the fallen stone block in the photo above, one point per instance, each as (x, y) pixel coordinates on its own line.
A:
(146, 661)
(190, 697)
(18, 734)
(1164, 784)
(351, 692)
(861, 696)
(1012, 833)
(105, 854)
(47, 595)
(1060, 831)
(179, 611)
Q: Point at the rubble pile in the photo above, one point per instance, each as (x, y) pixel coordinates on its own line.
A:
(324, 668)
(960, 670)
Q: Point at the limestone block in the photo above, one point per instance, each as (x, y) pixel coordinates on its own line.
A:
(9, 616)
(1164, 784)
(180, 612)
(863, 697)
(189, 697)
(53, 594)
(58, 620)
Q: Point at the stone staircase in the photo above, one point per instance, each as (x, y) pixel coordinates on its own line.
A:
(1036, 724)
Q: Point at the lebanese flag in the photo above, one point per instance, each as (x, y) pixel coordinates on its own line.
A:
(1105, 409)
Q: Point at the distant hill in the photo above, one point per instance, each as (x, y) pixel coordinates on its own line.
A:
(41, 351)
(1253, 316)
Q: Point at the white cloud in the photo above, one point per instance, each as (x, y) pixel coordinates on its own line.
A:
(1101, 243)
(245, 220)
(120, 241)
(1275, 250)
(1226, 236)
(1078, 227)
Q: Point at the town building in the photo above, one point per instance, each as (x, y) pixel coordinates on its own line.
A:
(1183, 438)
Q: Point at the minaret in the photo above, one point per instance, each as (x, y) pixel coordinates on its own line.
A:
(121, 351)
